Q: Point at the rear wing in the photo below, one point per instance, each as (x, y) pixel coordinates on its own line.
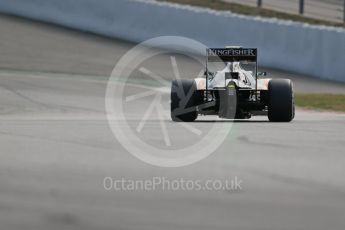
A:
(232, 54)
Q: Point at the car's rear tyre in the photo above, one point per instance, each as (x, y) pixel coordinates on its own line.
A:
(184, 100)
(281, 105)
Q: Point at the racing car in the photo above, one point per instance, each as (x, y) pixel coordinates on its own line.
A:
(232, 88)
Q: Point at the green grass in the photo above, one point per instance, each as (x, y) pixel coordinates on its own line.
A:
(253, 11)
(333, 102)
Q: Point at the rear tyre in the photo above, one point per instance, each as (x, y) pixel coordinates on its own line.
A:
(281, 105)
(184, 100)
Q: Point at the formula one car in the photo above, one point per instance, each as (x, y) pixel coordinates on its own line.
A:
(233, 89)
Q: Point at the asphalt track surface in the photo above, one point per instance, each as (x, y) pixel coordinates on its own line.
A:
(57, 147)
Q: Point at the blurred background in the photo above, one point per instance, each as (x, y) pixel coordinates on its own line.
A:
(332, 10)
